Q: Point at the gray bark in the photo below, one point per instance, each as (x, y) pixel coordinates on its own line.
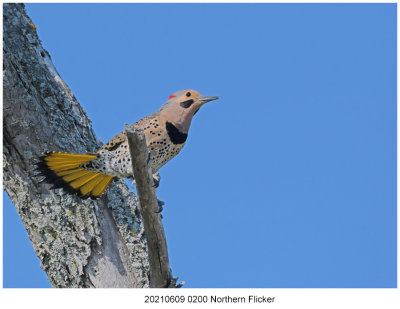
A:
(80, 243)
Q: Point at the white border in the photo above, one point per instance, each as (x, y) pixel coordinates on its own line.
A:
(134, 298)
(206, 1)
(1, 178)
(398, 151)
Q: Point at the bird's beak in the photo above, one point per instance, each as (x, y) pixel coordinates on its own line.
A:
(206, 99)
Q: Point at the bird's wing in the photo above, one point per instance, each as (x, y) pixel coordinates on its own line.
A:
(121, 137)
(115, 142)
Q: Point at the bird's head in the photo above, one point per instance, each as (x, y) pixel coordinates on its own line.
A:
(181, 106)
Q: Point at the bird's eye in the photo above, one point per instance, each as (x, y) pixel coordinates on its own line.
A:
(188, 94)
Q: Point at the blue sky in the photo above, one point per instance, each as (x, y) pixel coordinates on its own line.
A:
(289, 180)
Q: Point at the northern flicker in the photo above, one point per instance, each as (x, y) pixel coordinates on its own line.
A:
(89, 175)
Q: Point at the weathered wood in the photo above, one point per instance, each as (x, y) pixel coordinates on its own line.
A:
(160, 272)
(80, 243)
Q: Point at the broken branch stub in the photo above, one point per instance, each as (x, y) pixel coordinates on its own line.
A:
(160, 272)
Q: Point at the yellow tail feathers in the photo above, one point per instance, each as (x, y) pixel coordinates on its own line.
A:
(63, 171)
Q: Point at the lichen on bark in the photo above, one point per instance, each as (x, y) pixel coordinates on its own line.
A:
(80, 243)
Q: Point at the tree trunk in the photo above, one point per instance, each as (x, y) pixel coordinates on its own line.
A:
(80, 243)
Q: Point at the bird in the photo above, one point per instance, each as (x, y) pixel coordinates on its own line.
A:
(89, 175)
